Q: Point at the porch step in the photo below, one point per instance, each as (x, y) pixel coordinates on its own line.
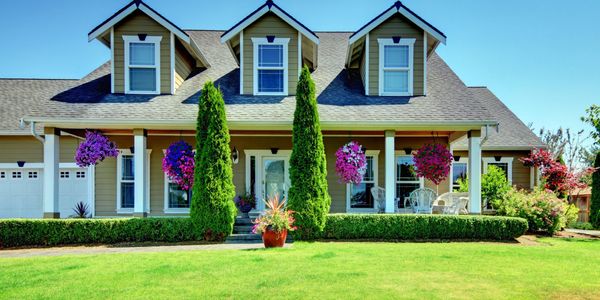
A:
(243, 221)
(244, 238)
(242, 228)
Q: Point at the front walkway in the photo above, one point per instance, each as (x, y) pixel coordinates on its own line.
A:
(91, 250)
(594, 233)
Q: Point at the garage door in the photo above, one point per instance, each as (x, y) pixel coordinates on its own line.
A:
(21, 192)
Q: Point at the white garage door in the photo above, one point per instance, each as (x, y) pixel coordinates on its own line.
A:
(21, 192)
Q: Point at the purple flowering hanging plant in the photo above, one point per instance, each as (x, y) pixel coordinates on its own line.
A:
(433, 162)
(351, 163)
(95, 148)
(178, 164)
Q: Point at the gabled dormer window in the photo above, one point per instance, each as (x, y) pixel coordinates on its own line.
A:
(270, 66)
(396, 66)
(142, 64)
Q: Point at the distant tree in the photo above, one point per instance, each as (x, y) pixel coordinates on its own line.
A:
(308, 194)
(213, 210)
(595, 205)
(566, 146)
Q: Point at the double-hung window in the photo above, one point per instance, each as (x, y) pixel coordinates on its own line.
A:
(396, 67)
(459, 171)
(504, 163)
(126, 182)
(406, 179)
(270, 66)
(360, 197)
(142, 64)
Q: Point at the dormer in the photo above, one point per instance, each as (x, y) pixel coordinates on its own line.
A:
(149, 54)
(391, 52)
(271, 47)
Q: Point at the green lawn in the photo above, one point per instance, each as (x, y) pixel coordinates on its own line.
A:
(567, 269)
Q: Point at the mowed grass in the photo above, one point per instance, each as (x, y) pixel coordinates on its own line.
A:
(567, 269)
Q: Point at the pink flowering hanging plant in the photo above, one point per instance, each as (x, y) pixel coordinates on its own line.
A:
(95, 148)
(178, 164)
(433, 162)
(351, 163)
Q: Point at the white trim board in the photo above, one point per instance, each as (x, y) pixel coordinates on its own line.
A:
(397, 8)
(375, 167)
(119, 179)
(130, 9)
(262, 11)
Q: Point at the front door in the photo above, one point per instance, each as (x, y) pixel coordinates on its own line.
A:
(275, 177)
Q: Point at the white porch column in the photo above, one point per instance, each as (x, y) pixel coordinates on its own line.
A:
(390, 171)
(474, 171)
(51, 169)
(140, 168)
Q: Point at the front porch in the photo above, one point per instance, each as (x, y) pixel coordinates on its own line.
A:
(261, 168)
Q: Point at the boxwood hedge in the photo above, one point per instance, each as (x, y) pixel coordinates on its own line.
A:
(21, 232)
(395, 227)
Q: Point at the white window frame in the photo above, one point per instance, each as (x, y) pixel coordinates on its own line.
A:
(462, 160)
(507, 160)
(155, 40)
(277, 41)
(120, 180)
(349, 208)
(419, 180)
(167, 209)
(410, 42)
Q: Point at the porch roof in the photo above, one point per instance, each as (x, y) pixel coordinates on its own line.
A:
(339, 91)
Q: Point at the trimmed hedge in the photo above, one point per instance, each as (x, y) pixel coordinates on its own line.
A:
(22, 232)
(422, 227)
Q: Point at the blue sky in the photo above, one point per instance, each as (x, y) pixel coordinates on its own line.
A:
(541, 57)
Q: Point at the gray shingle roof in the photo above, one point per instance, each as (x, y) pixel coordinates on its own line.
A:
(19, 97)
(512, 134)
(339, 94)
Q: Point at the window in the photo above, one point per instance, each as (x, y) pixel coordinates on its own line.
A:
(359, 195)
(16, 175)
(64, 174)
(126, 181)
(270, 66)
(2, 175)
(504, 163)
(396, 67)
(80, 174)
(177, 200)
(32, 175)
(142, 65)
(458, 171)
(406, 179)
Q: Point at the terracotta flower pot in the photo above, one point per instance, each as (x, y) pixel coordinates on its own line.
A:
(272, 238)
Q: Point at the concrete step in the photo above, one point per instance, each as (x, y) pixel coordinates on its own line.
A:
(242, 228)
(243, 221)
(244, 238)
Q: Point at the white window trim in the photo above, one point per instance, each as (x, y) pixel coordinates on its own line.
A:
(507, 160)
(128, 39)
(375, 155)
(420, 180)
(410, 42)
(462, 160)
(167, 209)
(119, 180)
(277, 41)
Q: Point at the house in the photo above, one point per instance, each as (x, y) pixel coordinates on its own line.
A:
(382, 85)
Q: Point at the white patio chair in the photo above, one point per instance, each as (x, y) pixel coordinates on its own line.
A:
(379, 197)
(422, 200)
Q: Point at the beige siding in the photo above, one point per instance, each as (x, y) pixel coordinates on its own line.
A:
(521, 174)
(396, 26)
(184, 64)
(30, 150)
(270, 24)
(140, 23)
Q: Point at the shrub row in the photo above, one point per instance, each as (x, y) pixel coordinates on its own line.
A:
(422, 227)
(21, 232)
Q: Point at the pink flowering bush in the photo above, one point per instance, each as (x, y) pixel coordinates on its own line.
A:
(178, 164)
(351, 163)
(432, 162)
(95, 148)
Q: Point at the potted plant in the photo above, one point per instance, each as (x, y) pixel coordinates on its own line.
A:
(245, 203)
(274, 223)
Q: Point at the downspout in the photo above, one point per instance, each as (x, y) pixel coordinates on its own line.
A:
(33, 132)
(487, 127)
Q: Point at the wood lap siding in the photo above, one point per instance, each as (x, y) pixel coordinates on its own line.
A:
(140, 23)
(397, 25)
(270, 24)
(183, 64)
(30, 150)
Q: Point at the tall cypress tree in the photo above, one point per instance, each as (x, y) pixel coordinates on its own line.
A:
(212, 210)
(308, 195)
(595, 205)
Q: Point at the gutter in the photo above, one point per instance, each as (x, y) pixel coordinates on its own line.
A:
(487, 127)
(33, 132)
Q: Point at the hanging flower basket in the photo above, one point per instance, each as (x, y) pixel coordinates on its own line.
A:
(94, 149)
(178, 164)
(432, 162)
(351, 163)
